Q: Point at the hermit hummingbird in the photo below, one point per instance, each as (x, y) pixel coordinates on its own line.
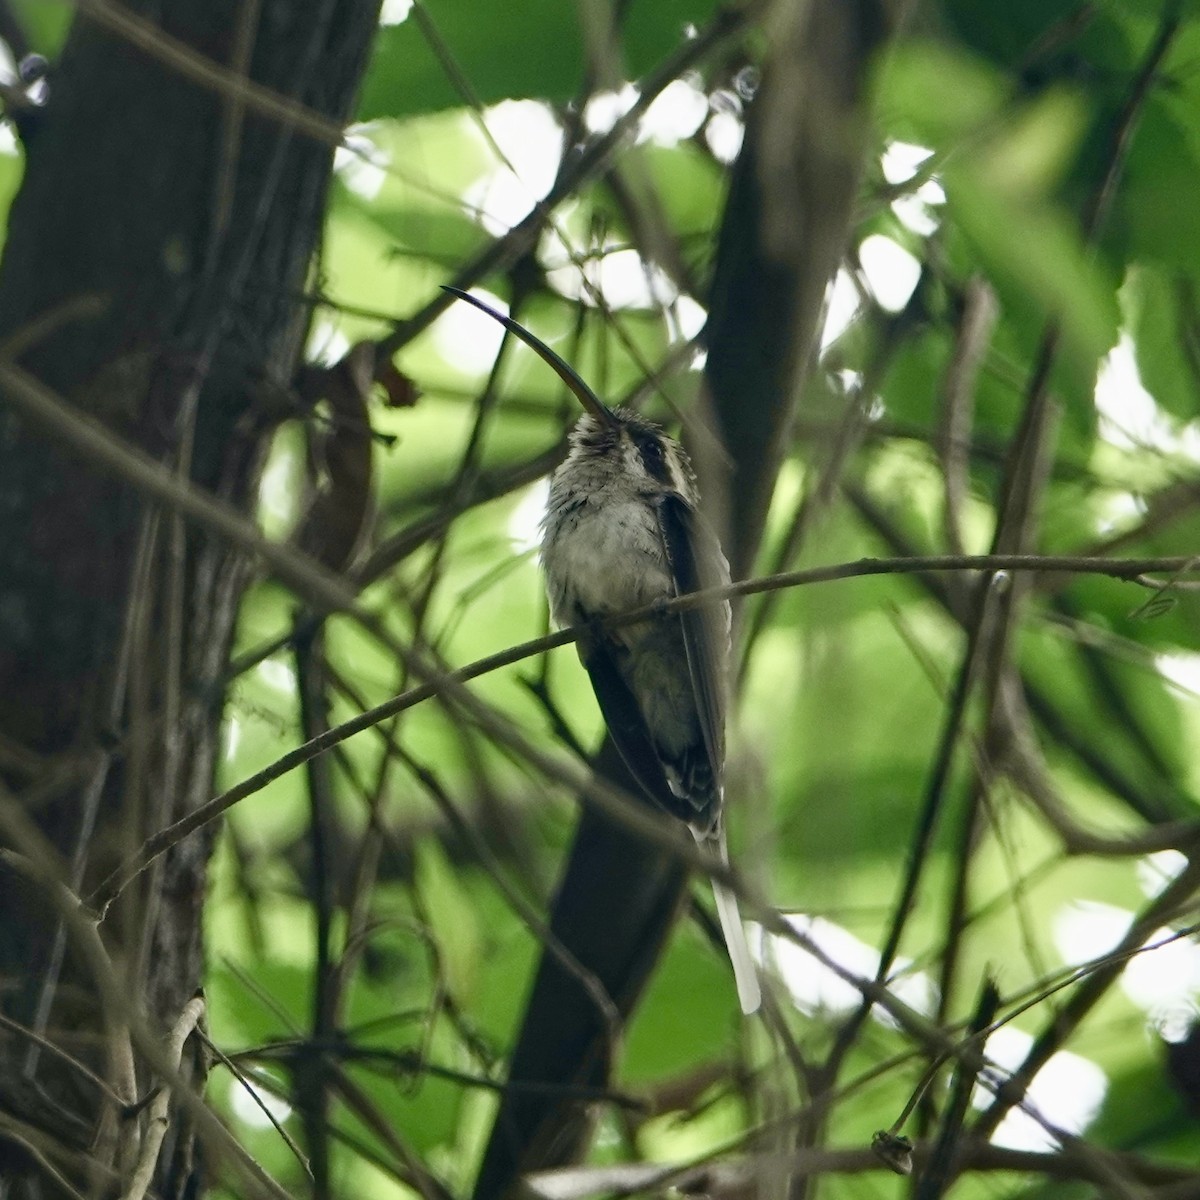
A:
(622, 530)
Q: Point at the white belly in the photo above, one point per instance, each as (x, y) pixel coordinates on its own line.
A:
(604, 559)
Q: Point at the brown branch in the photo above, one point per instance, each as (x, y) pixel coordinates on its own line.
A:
(126, 1021)
(732, 1177)
(1123, 569)
(974, 331)
(157, 1117)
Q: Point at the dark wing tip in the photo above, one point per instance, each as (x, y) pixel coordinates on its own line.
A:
(701, 789)
(627, 728)
(695, 560)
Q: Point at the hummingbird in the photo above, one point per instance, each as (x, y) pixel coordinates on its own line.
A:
(622, 530)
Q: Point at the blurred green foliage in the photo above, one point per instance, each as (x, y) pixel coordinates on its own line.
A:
(1016, 108)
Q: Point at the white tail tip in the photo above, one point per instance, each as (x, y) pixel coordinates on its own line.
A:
(745, 973)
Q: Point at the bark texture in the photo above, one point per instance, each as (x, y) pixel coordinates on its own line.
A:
(191, 222)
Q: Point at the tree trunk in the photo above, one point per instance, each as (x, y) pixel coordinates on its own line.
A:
(153, 277)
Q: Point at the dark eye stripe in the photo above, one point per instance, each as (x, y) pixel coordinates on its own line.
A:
(653, 459)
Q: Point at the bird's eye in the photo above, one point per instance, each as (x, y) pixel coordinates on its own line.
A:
(651, 451)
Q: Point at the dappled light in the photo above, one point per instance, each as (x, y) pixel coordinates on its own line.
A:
(338, 858)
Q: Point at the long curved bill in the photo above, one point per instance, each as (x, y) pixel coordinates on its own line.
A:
(562, 368)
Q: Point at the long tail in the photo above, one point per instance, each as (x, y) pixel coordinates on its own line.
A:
(745, 973)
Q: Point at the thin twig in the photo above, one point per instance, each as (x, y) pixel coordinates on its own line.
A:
(974, 331)
(1127, 570)
(156, 1128)
(1089, 992)
(733, 1177)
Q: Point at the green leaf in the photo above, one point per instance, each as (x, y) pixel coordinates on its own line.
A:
(1152, 219)
(1035, 256)
(452, 916)
(695, 975)
(12, 171)
(45, 23)
(968, 92)
(1047, 39)
(534, 51)
(1032, 151)
(1153, 303)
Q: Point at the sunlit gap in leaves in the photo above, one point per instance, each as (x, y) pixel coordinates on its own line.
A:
(842, 306)
(1118, 511)
(525, 524)
(890, 270)
(1130, 418)
(1067, 1093)
(605, 109)
(916, 209)
(815, 988)
(327, 344)
(10, 76)
(468, 338)
(1132, 421)
(724, 133)
(676, 114)
(1163, 980)
(360, 163)
(395, 12)
(727, 126)
(618, 275)
(257, 1107)
(279, 675)
(231, 736)
(530, 140)
(1182, 672)
(621, 278)
(281, 486)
